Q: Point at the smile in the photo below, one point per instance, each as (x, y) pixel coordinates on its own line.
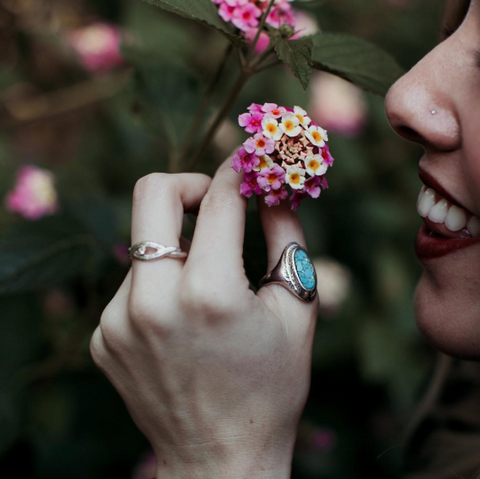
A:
(448, 227)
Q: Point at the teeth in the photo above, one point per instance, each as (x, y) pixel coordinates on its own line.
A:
(456, 219)
(473, 226)
(426, 202)
(439, 212)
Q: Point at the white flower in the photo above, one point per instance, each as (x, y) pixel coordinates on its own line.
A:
(295, 177)
(290, 125)
(315, 165)
(271, 128)
(318, 136)
(265, 162)
(301, 114)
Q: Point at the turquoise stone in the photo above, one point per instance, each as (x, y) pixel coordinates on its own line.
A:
(305, 270)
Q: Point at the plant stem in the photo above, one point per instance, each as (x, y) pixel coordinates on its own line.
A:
(221, 115)
(209, 93)
(260, 28)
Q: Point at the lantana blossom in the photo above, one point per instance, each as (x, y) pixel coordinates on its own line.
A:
(290, 153)
(34, 194)
(259, 145)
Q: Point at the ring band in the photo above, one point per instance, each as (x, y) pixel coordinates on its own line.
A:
(139, 251)
(295, 272)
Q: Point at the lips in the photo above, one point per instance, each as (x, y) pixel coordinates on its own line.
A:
(448, 227)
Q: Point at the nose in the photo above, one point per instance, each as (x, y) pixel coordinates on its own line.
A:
(420, 106)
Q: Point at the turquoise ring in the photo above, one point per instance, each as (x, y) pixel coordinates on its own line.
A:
(295, 272)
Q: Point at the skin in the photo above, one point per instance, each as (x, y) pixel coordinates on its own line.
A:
(217, 377)
(447, 80)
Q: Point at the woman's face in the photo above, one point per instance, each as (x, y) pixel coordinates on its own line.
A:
(437, 104)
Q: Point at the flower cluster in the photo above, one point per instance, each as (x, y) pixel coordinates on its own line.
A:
(97, 46)
(246, 14)
(34, 194)
(287, 149)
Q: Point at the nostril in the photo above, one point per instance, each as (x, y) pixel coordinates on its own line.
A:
(409, 133)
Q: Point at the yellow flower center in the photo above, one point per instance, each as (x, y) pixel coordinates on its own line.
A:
(289, 126)
(313, 165)
(263, 163)
(295, 178)
(271, 128)
(316, 136)
(301, 118)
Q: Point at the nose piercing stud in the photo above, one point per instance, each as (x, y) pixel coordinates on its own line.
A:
(433, 112)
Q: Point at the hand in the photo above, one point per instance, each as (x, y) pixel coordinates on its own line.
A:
(214, 375)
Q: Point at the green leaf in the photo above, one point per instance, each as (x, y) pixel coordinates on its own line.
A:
(297, 54)
(355, 60)
(42, 253)
(203, 11)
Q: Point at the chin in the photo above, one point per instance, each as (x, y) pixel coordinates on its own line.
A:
(447, 308)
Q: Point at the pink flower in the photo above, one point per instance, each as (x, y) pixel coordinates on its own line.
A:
(244, 161)
(250, 185)
(312, 186)
(327, 157)
(246, 16)
(98, 46)
(271, 178)
(275, 196)
(281, 159)
(34, 194)
(280, 14)
(259, 145)
(226, 12)
(255, 108)
(252, 122)
(297, 197)
(273, 110)
(263, 40)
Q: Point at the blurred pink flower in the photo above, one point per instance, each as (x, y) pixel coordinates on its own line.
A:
(323, 440)
(263, 40)
(305, 24)
(98, 46)
(34, 194)
(147, 467)
(120, 251)
(337, 104)
(246, 16)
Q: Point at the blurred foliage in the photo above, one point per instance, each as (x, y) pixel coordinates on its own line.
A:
(59, 417)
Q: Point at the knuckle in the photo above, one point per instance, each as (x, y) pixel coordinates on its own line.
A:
(153, 182)
(201, 299)
(220, 198)
(97, 348)
(110, 328)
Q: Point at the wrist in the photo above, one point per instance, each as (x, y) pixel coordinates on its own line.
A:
(238, 458)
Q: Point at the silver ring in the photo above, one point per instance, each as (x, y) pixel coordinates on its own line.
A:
(139, 251)
(295, 272)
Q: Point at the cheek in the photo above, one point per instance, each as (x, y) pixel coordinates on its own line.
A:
(471, 151)
(447, 304)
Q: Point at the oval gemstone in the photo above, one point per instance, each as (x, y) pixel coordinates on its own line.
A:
(305, 270)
